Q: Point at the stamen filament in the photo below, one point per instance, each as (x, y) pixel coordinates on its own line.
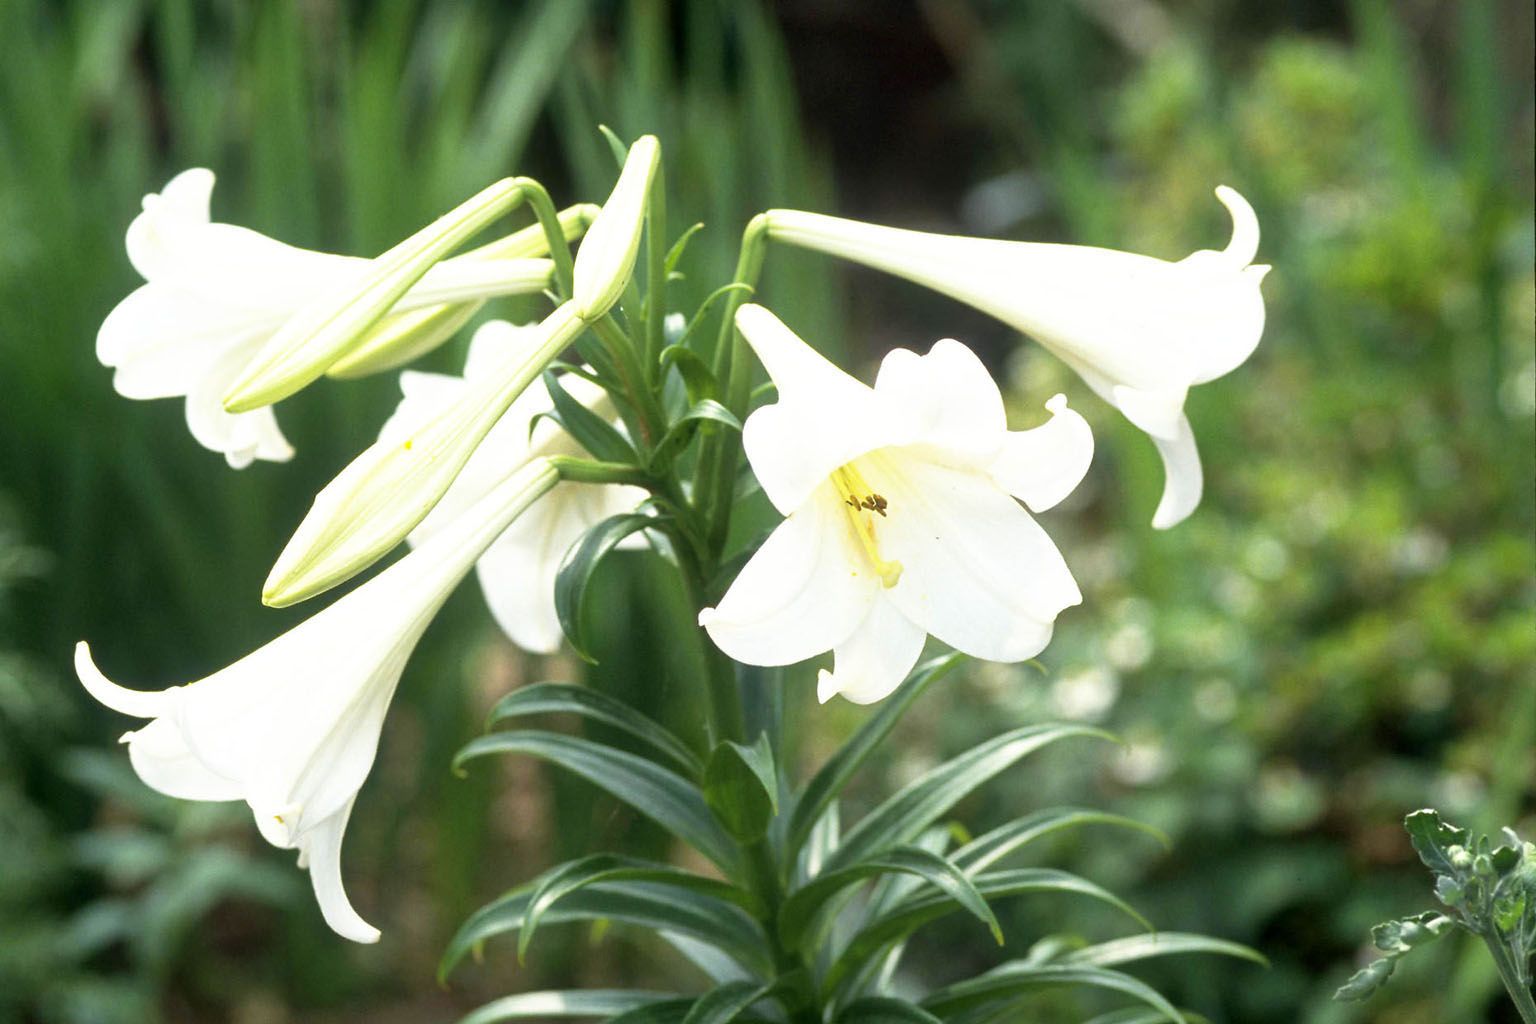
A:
(861, 503)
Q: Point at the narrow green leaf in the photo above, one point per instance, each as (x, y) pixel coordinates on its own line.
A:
(619, 149)
(741, 787)
(585, 1003)
(675, 253)
(553, 698)
(663, 908)
(914, 808)
(1137, 1015)
(800, 908)
(698, 378)
(827, 783)
(576, 875)
(682, 430)
(1011, 981)
(599, 437)
(579, 566)
(660, 794)
(984, 851)
(885, 1010)
(726, 1003)
(917, 911)
(672, 1011)
(1144, 947)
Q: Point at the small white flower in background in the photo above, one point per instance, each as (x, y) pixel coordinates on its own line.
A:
(902, 519)
(1140, 331)
(292, 728)
(517, 573)
(215, 293)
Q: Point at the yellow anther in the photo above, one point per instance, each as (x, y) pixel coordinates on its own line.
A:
(862, 503)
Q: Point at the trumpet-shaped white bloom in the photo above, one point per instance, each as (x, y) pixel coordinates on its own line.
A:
(292, 728)
(215, 293)
(517, 573)
(1140, 331)
(902, 519)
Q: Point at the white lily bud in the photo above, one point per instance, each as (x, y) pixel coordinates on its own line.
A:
(319, 334)
(387, 490)
(293, 727)
(1139, 331)
(403, 337)
(607, 255)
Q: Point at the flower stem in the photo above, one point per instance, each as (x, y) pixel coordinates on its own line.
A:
(549, 219)
(1515, 980)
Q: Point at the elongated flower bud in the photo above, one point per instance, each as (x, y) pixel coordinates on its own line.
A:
(387, 490)
(319, 334)
(607, 255)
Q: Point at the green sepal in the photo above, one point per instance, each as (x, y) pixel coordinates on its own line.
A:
(579, 566)
(555, 698)
(660, 794)
(741, 787)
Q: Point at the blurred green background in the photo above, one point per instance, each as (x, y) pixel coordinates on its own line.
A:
(1344, 632)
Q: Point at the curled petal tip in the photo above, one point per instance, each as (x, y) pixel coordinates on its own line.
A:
(1056, 404)
(138, 703)
(1244, 245)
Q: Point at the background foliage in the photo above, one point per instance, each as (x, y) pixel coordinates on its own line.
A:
(1344, 632)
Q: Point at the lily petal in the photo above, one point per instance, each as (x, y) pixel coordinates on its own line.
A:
(1183, 478)
(978, 572)
(1042, 466)
(797, 597)
(321, 853)
(947, 396)
(242, 436)
(875, 659)
(161, 757)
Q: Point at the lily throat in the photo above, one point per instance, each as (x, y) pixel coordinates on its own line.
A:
(862, 504)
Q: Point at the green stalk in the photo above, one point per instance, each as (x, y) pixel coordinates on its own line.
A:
(1514, 979)
(549, 219)
(719, 452)
(656, 274)
(650, 420)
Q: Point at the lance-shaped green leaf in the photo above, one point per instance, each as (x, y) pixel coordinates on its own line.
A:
(673, 1011)
(607, 255)
(402, 337)
(986, 850)
(371, 505)
(885, 1010)
(1144, 947)
(306, 346)
(573, 876)
(914, 808)
(683, 429)
(741, 787)
(800, 909)
(591, 429)
(661, 795)
(913, 913)
(1013, 981)
(1129, 1015)
(829, 781)
(595, 1002)
(556, 698)
(580, 565)
(721, 925)
(726, 1003)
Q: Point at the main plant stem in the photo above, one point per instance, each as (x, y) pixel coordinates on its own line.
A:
(1514, 979)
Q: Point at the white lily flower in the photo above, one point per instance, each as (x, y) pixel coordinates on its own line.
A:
(517, 572)
(214, 295)
(1140, 331)
(292, 728)
(902, 519)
